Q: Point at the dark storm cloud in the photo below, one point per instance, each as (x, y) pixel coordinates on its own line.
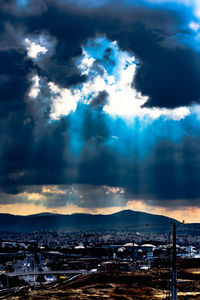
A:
(170, 77)
(175, 170)
(86, 196)
(14, 68)
(51, 196)
(170, 172)
(33, 155)
(100, 100)
(169, 176)
(168, 71)
(35, 151)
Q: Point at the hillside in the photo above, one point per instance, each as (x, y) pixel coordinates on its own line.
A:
(127, 219)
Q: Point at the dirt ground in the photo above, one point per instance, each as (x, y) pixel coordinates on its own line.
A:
(121, 286)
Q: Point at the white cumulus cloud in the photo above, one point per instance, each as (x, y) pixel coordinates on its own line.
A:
(34, 49)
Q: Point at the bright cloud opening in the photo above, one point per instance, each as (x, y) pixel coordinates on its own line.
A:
(35, 88)
(34, 49)
(113, 75)
(109, 70)
(65, 101)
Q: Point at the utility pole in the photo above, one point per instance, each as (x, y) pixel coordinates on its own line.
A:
(7, 282)
(169, 257)
(174, 271)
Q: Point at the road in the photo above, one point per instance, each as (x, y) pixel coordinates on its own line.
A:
(21, 273)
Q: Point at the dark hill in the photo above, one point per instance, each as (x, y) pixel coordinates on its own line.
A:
(124, 220)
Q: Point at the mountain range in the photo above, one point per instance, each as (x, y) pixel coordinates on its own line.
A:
(124, 220)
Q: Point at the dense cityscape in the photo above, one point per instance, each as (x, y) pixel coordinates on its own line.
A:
(48, 258)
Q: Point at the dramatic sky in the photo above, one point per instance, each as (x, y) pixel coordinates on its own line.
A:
(100, 106)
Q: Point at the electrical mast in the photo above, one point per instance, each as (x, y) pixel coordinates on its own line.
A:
(174, 271)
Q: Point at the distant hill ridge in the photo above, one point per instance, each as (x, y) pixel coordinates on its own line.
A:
(126, 219)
